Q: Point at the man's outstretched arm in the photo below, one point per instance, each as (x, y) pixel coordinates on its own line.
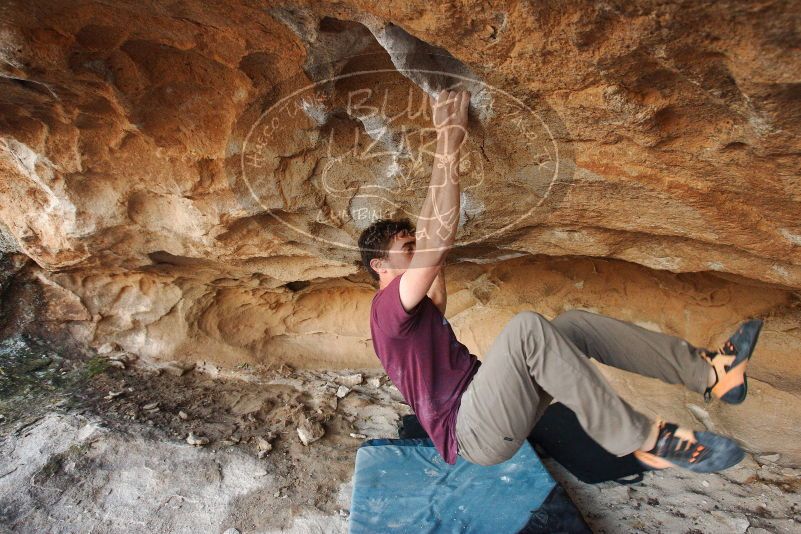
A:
(439, 217)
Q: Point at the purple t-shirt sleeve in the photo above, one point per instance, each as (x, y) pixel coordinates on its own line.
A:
(391, 317)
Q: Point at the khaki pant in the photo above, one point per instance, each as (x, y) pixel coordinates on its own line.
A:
(533, 361)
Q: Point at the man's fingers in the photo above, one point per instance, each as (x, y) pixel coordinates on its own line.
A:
(465, 103)
(455, 103)
(442, 98)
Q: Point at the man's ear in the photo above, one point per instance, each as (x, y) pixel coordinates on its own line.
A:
(376, 264)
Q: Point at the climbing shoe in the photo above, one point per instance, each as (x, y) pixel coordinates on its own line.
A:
(729, 363)
(702, 452)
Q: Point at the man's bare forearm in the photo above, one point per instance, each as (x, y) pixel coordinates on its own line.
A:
(439, 217)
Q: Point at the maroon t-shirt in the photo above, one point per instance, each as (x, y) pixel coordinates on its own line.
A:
(425, 361)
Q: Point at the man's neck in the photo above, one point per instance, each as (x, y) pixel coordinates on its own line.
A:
(382, 285)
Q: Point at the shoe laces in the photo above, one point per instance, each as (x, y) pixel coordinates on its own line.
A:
(670, 446)
(727, 349)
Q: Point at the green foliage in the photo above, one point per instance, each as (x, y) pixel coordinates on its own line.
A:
(95, 366)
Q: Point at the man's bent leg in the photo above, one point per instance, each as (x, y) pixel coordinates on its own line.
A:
(527, 364)
(632, 348)
(499, 407)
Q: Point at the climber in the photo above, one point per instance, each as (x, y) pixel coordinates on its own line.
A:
(484, 411)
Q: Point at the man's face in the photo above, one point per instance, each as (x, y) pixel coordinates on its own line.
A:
(400, 253)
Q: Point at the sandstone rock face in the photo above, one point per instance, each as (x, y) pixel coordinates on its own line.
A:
(188, 180)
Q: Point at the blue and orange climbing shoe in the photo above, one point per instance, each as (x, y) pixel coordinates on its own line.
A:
(729, 363)
(702, 452)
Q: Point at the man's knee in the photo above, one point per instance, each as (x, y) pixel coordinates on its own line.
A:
(526, 318)
(527, 324)
(574, 325)
(570, 318)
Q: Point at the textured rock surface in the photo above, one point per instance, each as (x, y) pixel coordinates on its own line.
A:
(185, 181)
(128, 171)
(105, 473)
(121, 125)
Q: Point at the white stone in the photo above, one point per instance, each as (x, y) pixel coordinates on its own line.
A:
(178, 368)
(197, 441)
(263, 444)
(342, 391)
(121, 356)
(350, 380)
(310, 431)
(208, 368)
(105, 348)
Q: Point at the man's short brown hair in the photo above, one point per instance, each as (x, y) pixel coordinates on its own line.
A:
(376, 238)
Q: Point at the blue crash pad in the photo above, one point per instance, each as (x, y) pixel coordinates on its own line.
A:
(404, 485)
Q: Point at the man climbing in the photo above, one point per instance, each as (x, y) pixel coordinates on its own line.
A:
(484, 411)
